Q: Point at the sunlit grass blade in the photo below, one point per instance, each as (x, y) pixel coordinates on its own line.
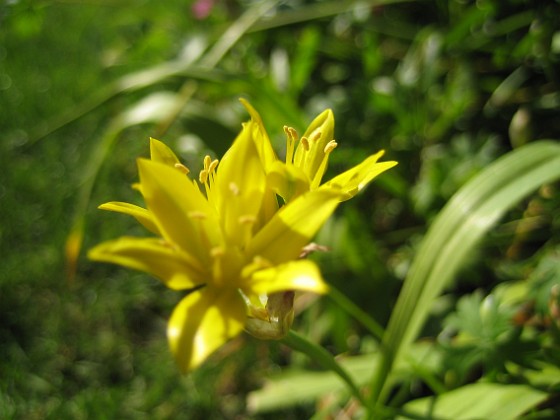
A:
(478, 401)
(471, 212)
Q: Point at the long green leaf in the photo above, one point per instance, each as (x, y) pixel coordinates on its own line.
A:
(295, 386)
(478, 401)
(472, 211)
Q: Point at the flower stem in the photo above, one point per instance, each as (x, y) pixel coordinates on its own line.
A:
(318, 354)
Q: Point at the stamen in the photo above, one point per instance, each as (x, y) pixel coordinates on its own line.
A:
(291, 132)
(217, 270)
(234, 188)
(217, 252)
(261, 262)
(291, 140)
(213, 165)
(203, 176)
(315, 136)
(247, 222)
(305, 143)
(247, 219)
(200, 219)
(207, 161)
(258, 263)
(197, 215)
(182, 168)
(330, 146)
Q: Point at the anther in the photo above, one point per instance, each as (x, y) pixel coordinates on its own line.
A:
(291, 133)
(203, 177)
(261, 262)
(305, 143)
(330, 146)
(213, 166)
(182, 168)
(234, 188)
(247, 219)
(315, 136)
(207, 161)
(217, 252)
(197, 215)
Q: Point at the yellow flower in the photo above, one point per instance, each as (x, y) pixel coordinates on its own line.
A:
(225, 241)
(306, 164)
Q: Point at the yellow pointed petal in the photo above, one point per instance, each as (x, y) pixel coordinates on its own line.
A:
(143, 216)
(174, 268)
(159, 152)
(350, 182)
(288, 181)
(293, 226)
(202, 322)
(303, 275)
(180, 211)
(260, 136)
(241, 186)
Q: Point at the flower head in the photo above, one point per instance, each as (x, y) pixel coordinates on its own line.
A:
(224, 239)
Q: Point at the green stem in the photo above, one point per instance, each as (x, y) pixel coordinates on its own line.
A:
(318, 354)
(356, 312)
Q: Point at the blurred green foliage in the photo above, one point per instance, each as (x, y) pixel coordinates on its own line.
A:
(446, 87)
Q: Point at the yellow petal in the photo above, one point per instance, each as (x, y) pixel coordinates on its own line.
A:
(260, 136)
(181, 212)
(159, 152)
(350, 182)
(241, 186)
(288, 181)
(293, 226)
(202, 322)
(301, 275)
(141, 214)
(174, 268)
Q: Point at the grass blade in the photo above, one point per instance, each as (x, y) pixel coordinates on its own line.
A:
(472, 211)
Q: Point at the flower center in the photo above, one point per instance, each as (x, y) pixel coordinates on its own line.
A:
(308, 152)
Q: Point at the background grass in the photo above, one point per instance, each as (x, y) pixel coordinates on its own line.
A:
(445, 87)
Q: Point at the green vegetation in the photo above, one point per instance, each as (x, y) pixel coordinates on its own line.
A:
(446, 270)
